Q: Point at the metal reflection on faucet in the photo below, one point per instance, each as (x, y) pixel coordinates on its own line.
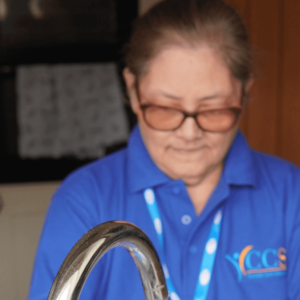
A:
(93, 245)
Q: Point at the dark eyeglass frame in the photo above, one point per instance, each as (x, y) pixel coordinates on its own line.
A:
(236, 110)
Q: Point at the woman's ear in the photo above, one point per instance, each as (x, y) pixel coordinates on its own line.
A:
(246, 91)
(130, 79)
(249, 85)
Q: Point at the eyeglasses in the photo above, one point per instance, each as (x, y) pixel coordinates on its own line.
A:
(168, 119)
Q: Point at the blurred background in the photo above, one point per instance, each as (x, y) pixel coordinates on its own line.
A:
(61, 102)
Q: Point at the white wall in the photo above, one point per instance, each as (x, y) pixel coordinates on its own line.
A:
(21, 222)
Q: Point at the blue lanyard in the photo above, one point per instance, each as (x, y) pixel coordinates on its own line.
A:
(209, 254)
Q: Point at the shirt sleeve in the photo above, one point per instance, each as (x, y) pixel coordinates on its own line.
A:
(293, 238)
(72, 212)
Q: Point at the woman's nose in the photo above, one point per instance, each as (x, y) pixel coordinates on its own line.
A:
(189, 130)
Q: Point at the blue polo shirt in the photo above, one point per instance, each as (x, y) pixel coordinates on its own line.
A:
(259, 249)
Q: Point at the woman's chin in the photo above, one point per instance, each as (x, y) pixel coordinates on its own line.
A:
(192, 181)
(189, 174)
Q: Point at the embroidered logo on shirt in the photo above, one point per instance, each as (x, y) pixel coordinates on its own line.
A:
(252, 263)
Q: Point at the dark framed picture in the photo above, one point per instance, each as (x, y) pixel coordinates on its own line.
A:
(51, 45)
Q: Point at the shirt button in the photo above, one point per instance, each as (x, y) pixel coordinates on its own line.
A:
(176, 190)
(193, 249)
(186, 219)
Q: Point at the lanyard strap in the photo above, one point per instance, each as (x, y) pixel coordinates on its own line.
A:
(209, 254)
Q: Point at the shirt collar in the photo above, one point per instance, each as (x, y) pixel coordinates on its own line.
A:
(142, 172)
(239, 166)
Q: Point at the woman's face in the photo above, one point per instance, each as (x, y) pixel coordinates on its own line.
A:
(192, 80)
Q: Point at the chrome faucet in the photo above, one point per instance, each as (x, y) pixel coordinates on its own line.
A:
(93, 245)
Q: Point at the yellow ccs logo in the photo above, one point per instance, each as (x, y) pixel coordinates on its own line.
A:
(251, 263)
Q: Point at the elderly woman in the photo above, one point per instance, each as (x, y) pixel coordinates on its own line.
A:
(187, 174)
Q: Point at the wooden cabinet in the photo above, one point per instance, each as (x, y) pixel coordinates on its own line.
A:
(289, 108)
(271, 122)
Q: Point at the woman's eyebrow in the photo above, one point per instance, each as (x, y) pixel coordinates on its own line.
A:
(208, 97)
(171, 96)
(213, 96)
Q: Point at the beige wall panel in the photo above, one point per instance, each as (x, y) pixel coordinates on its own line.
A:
(26, 230)
(7, 290)
(21, 222)
(290, 129)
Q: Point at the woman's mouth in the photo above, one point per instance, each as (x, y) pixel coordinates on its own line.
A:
(187, 150)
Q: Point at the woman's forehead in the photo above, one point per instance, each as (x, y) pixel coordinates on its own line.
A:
(177, 72)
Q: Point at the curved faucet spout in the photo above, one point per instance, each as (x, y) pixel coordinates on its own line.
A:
(93, 245)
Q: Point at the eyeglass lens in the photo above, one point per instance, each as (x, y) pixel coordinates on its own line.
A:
(162, 118)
